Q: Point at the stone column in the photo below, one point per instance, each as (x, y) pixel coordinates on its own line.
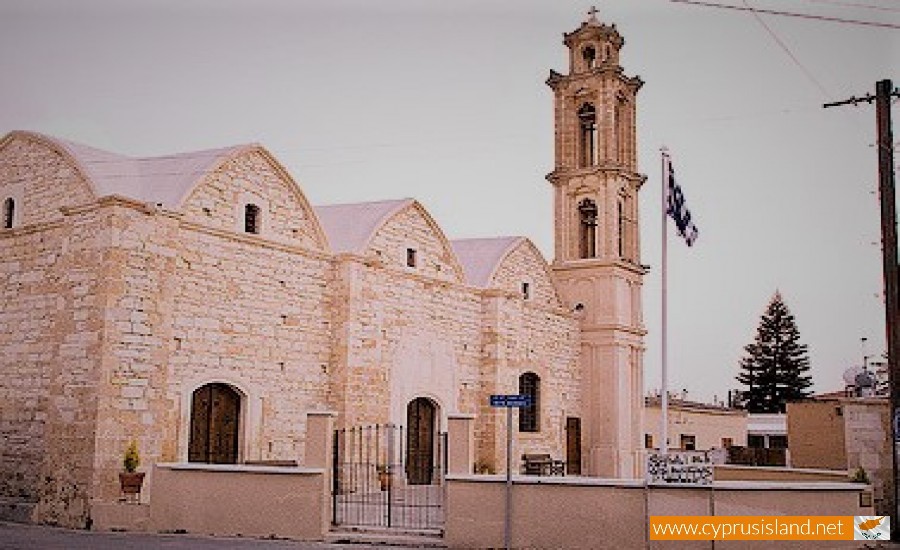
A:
(460, 444)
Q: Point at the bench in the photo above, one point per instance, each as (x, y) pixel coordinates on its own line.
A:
(540, 464)
(280, 463)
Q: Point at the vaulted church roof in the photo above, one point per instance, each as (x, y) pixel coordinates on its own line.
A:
(350, 227)
(480, 258)
(165, 180)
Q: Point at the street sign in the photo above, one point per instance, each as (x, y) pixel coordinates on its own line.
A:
(511, 401)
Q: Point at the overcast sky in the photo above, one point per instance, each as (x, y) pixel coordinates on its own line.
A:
(446, 102)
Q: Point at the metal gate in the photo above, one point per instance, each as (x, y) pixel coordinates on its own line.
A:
(380, 480)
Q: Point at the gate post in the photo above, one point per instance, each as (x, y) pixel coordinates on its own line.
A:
(460, 443)
(319, 451)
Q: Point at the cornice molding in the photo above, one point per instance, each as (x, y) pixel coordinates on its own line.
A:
(584, 264)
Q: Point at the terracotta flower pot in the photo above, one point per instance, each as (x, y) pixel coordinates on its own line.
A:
(131, 482)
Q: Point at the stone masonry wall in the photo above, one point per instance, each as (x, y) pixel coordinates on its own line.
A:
(255, 317)
(252, 311)
(533, 335)
(51, 283)
(409, 331)
(253, 177)
(132, 405)
(408, 335)
(50, 179)
(410, 228)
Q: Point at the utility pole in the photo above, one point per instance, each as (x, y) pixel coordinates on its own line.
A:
(884, 90)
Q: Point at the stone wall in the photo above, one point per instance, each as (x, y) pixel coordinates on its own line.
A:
(252, 311)
(408, 331)
(254, 316)
(252, 176)
(115, 311)
(532, 335)
(51, 328)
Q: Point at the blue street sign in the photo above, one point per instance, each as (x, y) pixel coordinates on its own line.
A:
(511, 401)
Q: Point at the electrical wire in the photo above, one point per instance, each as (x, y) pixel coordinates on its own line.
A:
(855, 5)
(789, 14)
(788, 51)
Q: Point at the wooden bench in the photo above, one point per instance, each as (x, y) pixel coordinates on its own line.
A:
(540, 464)
(280, 463)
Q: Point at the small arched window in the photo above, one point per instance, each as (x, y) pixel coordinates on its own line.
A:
(590, 57)
(587, 212)
(9, 213)
(530, 385)
(587, 124)
(251, 219)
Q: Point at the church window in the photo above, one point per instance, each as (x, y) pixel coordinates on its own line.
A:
(9, 213)
(648, 441)
(215, 418)
(410, 257)
(529, 384)
(526, 291)
(587, 210)
(621, 218)
(251, 219)
(590, 57)
(621, 126)
(587, 123)
(688, 442)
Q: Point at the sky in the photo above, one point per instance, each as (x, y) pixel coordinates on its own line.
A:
(445, 102)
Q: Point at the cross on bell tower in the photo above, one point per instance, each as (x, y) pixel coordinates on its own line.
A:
(596, 263)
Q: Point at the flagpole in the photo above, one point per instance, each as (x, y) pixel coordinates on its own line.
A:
(664, 392)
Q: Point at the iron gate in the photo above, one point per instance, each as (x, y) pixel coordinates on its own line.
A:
(382, 477)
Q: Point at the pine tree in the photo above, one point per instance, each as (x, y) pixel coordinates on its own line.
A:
(775, 368)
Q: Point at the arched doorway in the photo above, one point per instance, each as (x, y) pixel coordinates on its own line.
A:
(215, 418)
(420, 441)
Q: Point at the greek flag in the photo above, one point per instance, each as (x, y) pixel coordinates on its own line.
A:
(676, 208)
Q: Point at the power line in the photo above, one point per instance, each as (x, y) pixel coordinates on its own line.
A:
(789, 53)
(855, 5)
(789, 14)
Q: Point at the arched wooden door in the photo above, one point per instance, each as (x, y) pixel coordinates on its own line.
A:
(420, 423)
(215, 417)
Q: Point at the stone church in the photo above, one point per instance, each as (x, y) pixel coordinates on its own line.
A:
(198, 304)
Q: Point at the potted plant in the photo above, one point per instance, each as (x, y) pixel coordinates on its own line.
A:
(384, 477)
(131, 480)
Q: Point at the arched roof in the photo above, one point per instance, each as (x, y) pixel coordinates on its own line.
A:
(165, 180)
(480, 258)
(350, 227)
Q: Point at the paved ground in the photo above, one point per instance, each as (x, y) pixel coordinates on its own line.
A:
(15, 536)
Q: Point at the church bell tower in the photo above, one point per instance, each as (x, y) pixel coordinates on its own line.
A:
(597, 265)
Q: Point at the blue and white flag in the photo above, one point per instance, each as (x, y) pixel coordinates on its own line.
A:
(676, 208)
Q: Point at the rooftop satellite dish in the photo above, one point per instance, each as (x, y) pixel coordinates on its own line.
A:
(865, 380)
